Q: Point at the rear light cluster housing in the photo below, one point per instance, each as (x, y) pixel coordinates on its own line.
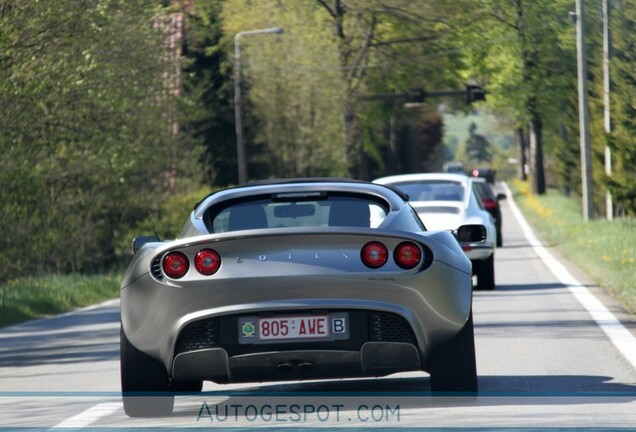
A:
(489, 203)
(407, 255)
(176, 264)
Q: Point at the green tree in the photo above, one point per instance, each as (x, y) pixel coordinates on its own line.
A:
(206, 105)
(304, 85)
(293, 89)
(87, 118)
(478, 146)
(623, 98)
(526, 65)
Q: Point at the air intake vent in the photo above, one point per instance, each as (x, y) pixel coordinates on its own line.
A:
(155, 269)
(388, 327)
(198, 335)
(427, 257)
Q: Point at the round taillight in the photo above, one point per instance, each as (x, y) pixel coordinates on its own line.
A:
(407, 255)
(374, 254)
(489, 204)
(175, 265)
(207, 262)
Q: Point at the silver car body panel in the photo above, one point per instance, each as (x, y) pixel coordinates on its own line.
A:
(288, 270)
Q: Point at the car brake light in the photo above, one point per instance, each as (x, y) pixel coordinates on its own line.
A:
(207, 262)
(490, 204)
(407, 255)
(175, 265)
(374, 254)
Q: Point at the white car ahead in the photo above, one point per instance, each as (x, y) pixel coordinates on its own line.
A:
(445, 202)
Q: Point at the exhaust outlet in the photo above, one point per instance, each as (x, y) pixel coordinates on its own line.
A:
(301, 365)
(306, 366)
(285, 367)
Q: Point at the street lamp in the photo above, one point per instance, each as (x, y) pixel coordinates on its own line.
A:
(238, 99)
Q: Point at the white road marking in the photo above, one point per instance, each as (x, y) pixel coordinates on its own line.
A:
(622, 338)
(90, 416)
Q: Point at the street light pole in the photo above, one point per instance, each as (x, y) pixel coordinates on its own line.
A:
(238, 99)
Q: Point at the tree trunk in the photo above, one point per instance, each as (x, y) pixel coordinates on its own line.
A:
(393, 166)
(521, 154)
(537, 174)
(351, 141)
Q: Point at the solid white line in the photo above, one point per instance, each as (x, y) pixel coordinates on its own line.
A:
(622, 338)
(90, 416)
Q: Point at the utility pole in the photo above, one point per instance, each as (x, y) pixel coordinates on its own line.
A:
(584, 115)
(609, 204)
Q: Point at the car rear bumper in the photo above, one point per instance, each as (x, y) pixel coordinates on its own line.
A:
(155, 317)
(373, 359)
(479, 252)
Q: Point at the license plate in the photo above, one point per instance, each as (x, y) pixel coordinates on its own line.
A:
(293, 328)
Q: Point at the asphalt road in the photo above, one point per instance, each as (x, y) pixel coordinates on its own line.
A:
(552, 351)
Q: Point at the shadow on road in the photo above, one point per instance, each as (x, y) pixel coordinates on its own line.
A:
(414, 393)
(567, 385)
(85, 336)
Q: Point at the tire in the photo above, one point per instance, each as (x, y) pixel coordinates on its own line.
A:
(141, 377)
(485, 272)
(188, 386)
(452, 366)
(499, 236)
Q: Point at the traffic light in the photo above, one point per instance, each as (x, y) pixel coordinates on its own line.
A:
(475, 93)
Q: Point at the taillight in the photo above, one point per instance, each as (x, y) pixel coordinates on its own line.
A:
(489, 204)
(374, 254)
(407, 255)
(207, 262)
(175, 265)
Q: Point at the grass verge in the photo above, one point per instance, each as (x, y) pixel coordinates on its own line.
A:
(38, 297)
(603, 249)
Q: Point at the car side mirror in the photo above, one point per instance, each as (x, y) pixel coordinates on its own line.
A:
(471, 233)
(139, 241)
(501, 196)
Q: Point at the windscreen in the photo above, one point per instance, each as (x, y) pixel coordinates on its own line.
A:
(294, 210)
(432, 190)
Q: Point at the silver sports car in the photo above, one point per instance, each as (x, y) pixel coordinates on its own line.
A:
(294, 280)
(447, 201)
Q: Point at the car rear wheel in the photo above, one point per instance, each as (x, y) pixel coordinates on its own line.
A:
(145, 383)
(485, 272)
(452, 365)
(188, 386)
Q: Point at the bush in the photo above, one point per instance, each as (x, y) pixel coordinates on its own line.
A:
(167, 221)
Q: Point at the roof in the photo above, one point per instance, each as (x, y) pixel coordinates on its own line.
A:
(422, 177)
(317, 183)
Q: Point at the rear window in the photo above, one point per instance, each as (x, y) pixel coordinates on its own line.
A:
(484, 190)
(432, 190)
(437, 209)
(296, 210)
